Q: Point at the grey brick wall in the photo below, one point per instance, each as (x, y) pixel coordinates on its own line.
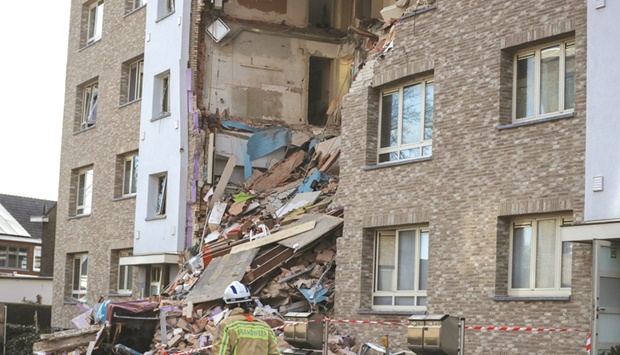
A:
(477, 178)
(110, 225)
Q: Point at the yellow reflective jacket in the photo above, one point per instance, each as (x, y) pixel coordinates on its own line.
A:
(241, 334)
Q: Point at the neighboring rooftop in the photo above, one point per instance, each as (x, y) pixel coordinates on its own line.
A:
(15, 213)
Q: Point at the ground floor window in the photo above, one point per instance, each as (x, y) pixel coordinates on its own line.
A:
(540, 263)
(401, 269)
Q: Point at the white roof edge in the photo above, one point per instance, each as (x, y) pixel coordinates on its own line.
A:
(590, 231)
(150, 259)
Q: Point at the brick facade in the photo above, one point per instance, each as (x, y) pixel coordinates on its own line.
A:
(483, 170)
(110, 225)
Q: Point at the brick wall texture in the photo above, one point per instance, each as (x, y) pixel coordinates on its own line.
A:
(110, 225)
(479, 174)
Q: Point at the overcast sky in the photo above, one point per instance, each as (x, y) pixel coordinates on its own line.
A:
(33, 38)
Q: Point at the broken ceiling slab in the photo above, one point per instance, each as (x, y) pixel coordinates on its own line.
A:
(291, 231)
(300, 200)
(324, 225)
(220, 273)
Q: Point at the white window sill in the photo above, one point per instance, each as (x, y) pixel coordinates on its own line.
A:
(530, 298)
(124, 197)
(396, 163)
(390, 312)
(130, 102)
(161, 116)
(154, 218)
(79, 216)
(540, 120)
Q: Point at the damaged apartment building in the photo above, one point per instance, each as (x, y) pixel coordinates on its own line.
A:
(165, 100)
(452, 132)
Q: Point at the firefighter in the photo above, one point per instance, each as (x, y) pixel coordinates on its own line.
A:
(240, 333)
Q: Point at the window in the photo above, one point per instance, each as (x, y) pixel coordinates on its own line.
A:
(134, 87)
(95, 22)
(135, 4)
(160, 207)
(165, 96)
(540, 263)
(84, 192)
(544, 81)
(401, 269)
(130, 175)
(36, 265)
(165, 7)
(90, 94)
(13, 257)
(155, 281)
(406, 122)
(80, 276)
(125, 275)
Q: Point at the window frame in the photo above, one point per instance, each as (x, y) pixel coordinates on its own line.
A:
(131, 188)
(94, 27)
(85, 207)
(125, 273)
(79, 263)
(19, 254)
(160, 197)
(135, 83)
(164, 108)
(136, 4)
(532, 291)
(36, 259)
(424, 144)
(90, 97)
(535, 53)
(418, 294)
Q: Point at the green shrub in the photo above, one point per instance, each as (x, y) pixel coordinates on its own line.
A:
(20, 339)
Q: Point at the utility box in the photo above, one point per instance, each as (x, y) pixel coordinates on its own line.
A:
(435, 334)
(307, 334)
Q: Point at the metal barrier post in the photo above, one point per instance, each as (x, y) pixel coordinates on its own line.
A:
(461, 336)
(325, 336)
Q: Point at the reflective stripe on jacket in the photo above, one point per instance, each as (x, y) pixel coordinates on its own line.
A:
(237, 335)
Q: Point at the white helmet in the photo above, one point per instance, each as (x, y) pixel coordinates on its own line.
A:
(237, 292)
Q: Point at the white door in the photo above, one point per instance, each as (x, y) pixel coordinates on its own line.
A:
(606, 312)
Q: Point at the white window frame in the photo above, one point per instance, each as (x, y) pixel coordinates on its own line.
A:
(135, 78)
(136, 4)
(418, 294)
(532, 291)
(535, 53)
(125, 275)
(423, 146)
(130, 175)
(36, 260)
(84, 193)
(79, 278)
(164, 108)
(155, 279)
(90, 96)
(160, 198)
(95, 22)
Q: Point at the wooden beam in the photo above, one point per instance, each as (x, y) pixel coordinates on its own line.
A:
(221, 185)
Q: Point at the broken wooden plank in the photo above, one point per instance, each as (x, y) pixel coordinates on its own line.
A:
(275, 237)
(221, 185)
(275, 258)
(67, 340)
(279, 172)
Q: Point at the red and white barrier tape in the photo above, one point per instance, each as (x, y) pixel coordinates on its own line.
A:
(467, 327)
(523, 329)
